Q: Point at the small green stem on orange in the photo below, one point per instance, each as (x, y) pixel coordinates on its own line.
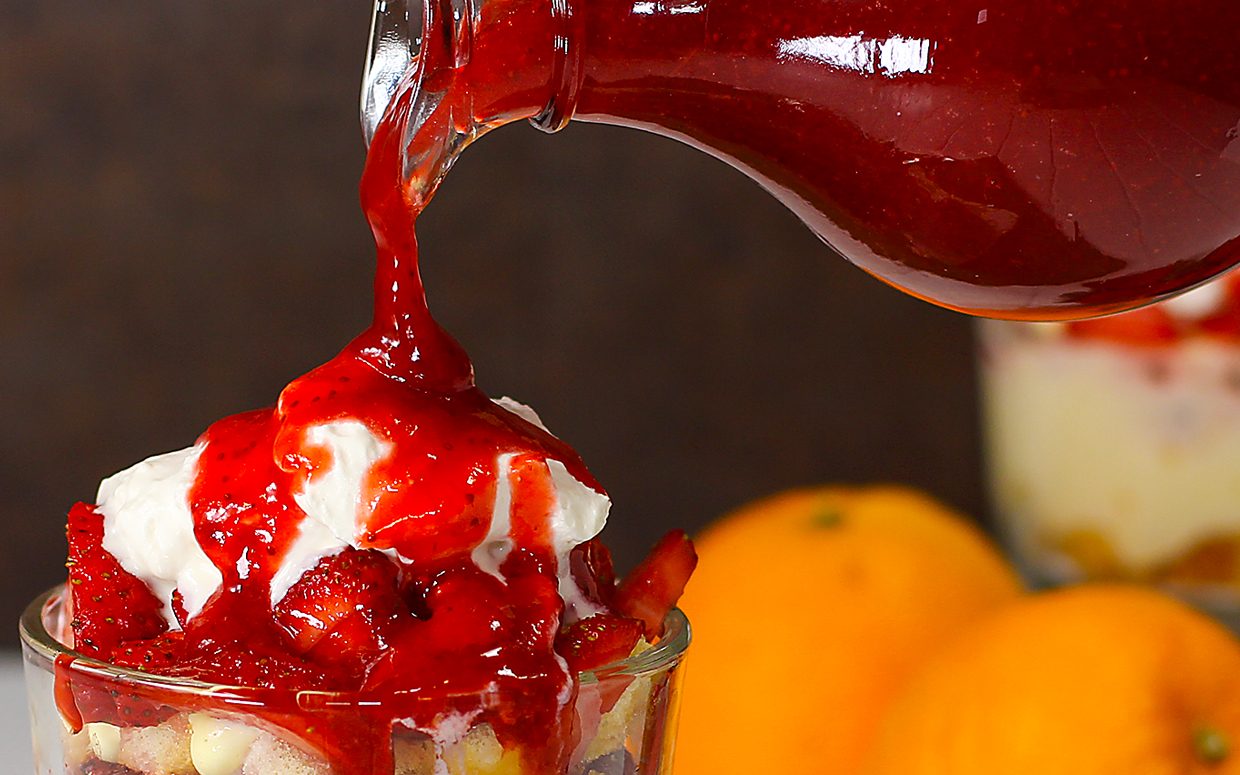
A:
(1210, 745)
(828, 517)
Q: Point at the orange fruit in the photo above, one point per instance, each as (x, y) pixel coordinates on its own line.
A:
(1104, 680)
(809, 610)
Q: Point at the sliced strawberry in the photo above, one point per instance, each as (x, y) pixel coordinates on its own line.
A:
(157, 655)
(594, 572)
(178, 609)
(469, 612)
(353, 643)
(599, 640)
(115, 702)
(260, 666)
(339, 611)
(1148, 327)
(137, 711)
(650, 592)
(109, 605)
(539, 609)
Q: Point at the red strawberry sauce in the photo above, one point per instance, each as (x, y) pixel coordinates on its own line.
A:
(415, 637)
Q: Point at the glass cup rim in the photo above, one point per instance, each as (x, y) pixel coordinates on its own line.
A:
(665, 654)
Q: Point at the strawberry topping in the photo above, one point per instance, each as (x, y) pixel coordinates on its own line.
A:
(599, 640)
(109, 605)
(650, 592)
(343, 610)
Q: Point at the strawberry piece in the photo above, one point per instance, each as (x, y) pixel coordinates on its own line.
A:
(592, 569)
(178, 609)
(259, 666)
(110, 605)
(599, 640)
(157, 655)
(340, 610)
(115, 702)
(532, 584)
(353, 643)
(650, 592)
(470, 612)
(1148, 327)
(136, 711)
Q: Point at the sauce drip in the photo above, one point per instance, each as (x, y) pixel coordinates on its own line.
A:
(458, 640)
(430, 501)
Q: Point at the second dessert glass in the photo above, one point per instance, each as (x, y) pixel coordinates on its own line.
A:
(1114, 445)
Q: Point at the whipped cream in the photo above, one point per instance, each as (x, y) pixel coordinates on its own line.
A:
(332, 500)
(149, 528)
(579, 514)
(494, 549)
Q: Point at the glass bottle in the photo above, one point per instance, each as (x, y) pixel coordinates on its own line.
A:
(1034, 159)
(1113, 445)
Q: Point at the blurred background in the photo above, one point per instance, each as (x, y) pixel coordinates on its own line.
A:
(180, 236)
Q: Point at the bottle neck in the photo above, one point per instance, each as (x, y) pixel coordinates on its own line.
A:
(488, 63)
(568, 24)
(460, 68)
(478, 65)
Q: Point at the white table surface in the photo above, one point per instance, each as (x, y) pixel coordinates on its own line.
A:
(15, 758)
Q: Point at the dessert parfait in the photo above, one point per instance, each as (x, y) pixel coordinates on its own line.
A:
(1114, 443)
(215, 624)
(386, 572)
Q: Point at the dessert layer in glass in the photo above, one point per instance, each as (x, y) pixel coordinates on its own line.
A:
(1117, 456)
(131, 722)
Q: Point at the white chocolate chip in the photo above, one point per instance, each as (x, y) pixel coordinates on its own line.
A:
(105, 741)
(219, 747)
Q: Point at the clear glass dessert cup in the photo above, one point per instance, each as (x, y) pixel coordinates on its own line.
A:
(1116, 461)
(626, 714)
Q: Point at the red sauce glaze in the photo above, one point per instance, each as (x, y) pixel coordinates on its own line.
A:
(406, 621)
(1039, 159)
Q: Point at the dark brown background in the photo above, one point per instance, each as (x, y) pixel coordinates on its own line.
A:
(179, 236)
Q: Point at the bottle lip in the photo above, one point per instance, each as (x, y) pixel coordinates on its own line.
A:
(569, 35)
(40, 644)
(390, 51)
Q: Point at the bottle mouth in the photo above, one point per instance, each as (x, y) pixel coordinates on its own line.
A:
(44, 617)
(395, 41)
(566, 76)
